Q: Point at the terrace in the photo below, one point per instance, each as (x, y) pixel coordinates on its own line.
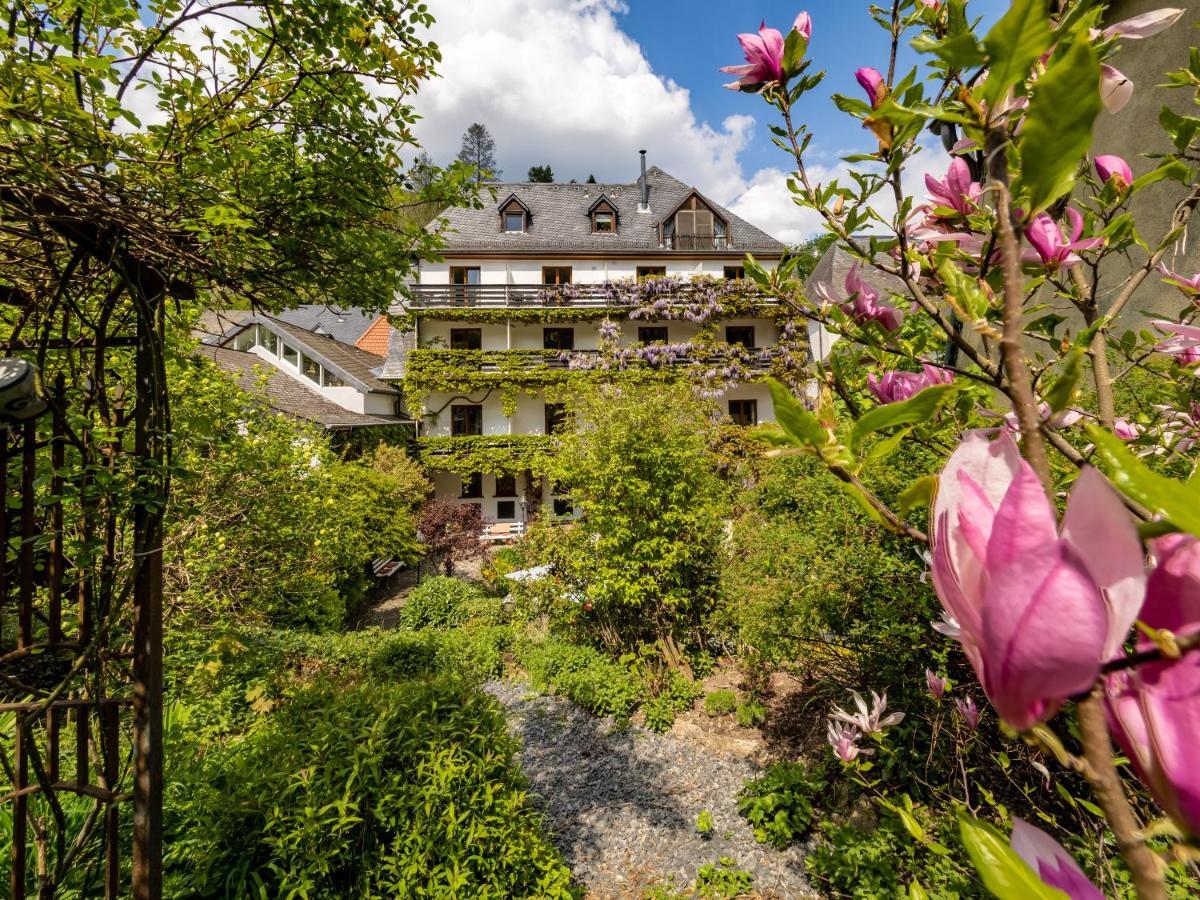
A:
(587, 296)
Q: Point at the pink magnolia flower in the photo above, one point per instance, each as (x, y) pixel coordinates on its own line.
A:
(1189, 286)
(1038, 611)
(863, 304)
(1115, 170)
(1126, 430)
(932, 4)
(1115, 88)
(1051, 862)
(869, 721)
(844, 741)
(764, 55)
(1143, 26)
(1051, 245)
(1184, 344)
(872, 82)
(1152, 709)
(956, 191)
(936, 684)
(896, 386)
(968, 710)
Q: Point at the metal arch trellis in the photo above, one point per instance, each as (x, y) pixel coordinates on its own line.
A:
(84, 470)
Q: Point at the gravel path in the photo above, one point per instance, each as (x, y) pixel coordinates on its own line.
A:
(622, 805)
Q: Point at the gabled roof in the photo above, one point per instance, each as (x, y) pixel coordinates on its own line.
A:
(375, 339)
(598, 201)
(345, 325)
(509, 199)
(287, 395)
(831, 270)
(690, 194)
(560, 220)
(355, 366)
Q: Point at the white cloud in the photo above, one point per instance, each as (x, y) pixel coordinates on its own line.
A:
(768, 203)
(559, 82)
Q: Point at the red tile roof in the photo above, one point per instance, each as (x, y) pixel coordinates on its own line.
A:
(375, 338)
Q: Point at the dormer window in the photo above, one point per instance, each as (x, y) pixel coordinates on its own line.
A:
(694, 226)
(514, 216)
(603, 215)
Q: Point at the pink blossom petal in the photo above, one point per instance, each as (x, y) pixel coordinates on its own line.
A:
(1115, 89)
(1052, 863)
(1144, 25)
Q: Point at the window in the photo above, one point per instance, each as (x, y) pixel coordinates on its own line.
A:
(651, 271)
(735, 273)
(556, 274)
(245, 339)
(472, 486)
(506, 510)
(743, 412)
(466, 420)
(291, 354)
(514, 221)
(740, 334)
(506, 486)
(602, 223)
(652, 334)
(558, 338)
(328, 379)
(464, 275)
(563, 506)
(556, 417)
(466, 338)
(310, 368)
(268, 339)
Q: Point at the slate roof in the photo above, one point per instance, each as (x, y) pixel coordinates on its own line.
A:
(344, 360)
(831, 270)
(559, 219)
(287, 395)
(345, 325)
(213, 324)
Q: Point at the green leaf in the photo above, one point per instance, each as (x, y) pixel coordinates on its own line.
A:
(919, 493)
(1003, 873)
(916, 409)
(1058, 126)
(963, 291)
(887, 447)
(916, 892)
(958, 51)
(797, 422)
(1172, 168)
(1176, 501)
(794, 48)
(1013, 45)
(1059, 394)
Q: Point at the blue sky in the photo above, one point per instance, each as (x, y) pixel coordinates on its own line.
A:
(582, 85)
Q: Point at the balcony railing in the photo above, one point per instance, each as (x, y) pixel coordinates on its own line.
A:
(696, 242)
(613, 294)
(508, 364)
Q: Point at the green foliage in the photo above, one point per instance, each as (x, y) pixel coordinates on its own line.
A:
(723, 879)
(1004, 873)
(443, 602)
(779, 803)
(870, 861)
(750, 714)
(497, 454)
(704, 823)
(368, 790)
(720, 703)
(645, 552)
(584, 675)
(268, 525)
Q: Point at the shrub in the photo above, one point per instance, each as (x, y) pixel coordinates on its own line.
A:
(882, 861)
(443, 602)
(704, 824)
(582, 674)
(365, 790)
(720, 703)
(751, 714)
(723, 879)
(450, 532)
(779, 803)
(675, 697)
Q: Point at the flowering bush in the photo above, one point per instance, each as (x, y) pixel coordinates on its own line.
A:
(1043, 611)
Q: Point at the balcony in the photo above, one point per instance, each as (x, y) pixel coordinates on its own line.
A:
(696, 242)
(627, 294)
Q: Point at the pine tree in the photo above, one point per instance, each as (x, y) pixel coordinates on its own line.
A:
(479, 150)
(591, 179)
(541, 174)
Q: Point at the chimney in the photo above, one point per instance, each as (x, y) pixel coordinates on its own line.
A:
(644, 206)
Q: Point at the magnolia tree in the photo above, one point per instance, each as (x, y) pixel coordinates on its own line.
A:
(1094, 615)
